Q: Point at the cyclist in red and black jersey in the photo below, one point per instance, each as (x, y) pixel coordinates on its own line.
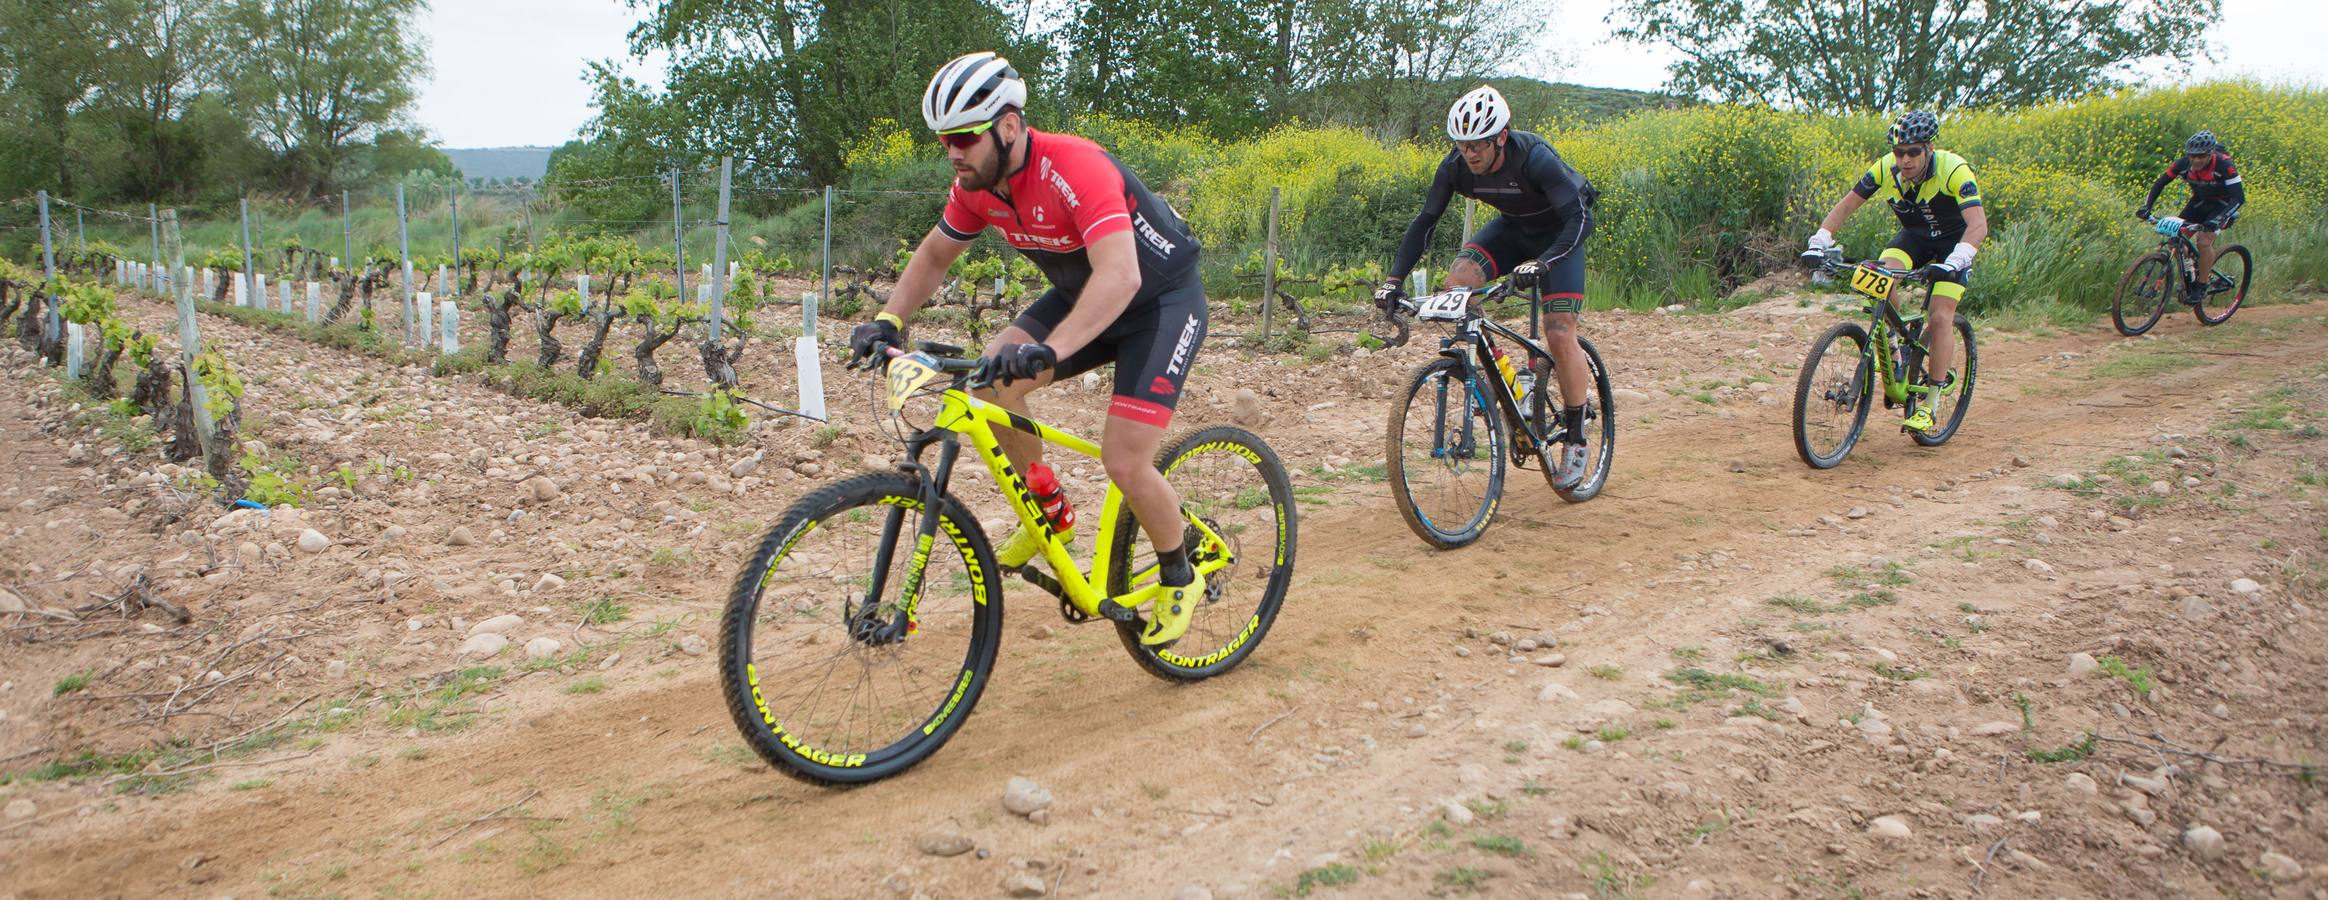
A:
(1124, 289)
(2216, 195)
(1539, 239)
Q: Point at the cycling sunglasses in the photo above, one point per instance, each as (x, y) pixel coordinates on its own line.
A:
(1909, 151)
(965, 138)
(1479, 146)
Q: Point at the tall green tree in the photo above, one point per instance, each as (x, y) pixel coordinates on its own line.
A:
(789, 84)
(1876, 55)
(1190, 62)
(320, 76)
(46, 74)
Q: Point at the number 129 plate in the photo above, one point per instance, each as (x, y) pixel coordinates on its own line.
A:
(1872, 281)
(1447, 306)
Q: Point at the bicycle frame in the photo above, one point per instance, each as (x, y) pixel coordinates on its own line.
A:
(962, 415)
(1885, 323)
(1478, 330)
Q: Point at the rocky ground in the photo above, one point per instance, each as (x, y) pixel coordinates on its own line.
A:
(2074, 652)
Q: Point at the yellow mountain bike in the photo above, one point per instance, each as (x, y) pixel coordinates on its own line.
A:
(862, 631)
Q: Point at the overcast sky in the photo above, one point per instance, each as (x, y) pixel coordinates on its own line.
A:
(509, 72)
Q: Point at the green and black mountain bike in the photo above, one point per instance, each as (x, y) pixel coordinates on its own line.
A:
(1851, 368)
(1448, 435)
(862, 631)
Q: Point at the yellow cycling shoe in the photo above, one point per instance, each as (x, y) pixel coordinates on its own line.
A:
(1024, 545)
(1175, 606)
(1920, 420)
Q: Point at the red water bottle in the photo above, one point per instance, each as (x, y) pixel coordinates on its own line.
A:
(1051, 497)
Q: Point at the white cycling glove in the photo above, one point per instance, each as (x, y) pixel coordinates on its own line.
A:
(1823, 241)
(1960, 258)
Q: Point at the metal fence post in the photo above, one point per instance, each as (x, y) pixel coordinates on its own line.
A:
(48, 250)
(250, 273)
(181, 287)
(719, 247)
(189, 341)
(404, 255)
(155, 277)
(1269, 268)
(348, 231)
(826, 292)
(678, 240)
(454, 288)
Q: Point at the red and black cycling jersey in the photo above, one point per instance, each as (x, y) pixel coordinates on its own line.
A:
(2214, 181)
(1534, 188)
(1070, 193)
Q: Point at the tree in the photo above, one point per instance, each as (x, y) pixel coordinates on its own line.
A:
(319, 76)
(46, 47)
(1182, 63)
(1882, 55)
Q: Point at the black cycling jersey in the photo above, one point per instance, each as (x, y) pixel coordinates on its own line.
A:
(2214, 182)
(1535, 190)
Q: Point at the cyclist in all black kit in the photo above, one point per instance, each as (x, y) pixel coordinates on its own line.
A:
(1124, 289)
(1539, 239)
(2216, 195)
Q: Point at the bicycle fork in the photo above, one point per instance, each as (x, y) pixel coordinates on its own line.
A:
(870, 623)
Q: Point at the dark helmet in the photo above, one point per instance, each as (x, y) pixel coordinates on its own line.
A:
(1916, 128)
(2203, 142)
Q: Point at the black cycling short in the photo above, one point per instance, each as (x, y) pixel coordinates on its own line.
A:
(2205, 211)
(1923, 250)
(1500, 245)
(1152, 344)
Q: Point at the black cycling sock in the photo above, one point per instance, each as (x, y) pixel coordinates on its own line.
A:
(1572, 422)
(1172, 568)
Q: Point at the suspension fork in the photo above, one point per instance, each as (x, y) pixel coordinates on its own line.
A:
(933, 483)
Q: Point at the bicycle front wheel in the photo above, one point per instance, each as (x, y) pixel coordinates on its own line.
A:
(2142, 294)
(1445, 456)
(1948, 409)
(2235, 265)
(834, 683)
(1600, 427)
(1832, 396)
(1237, 505)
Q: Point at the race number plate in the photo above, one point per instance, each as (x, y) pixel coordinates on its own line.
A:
(1447, 307)
(908, 374)
(1872, 281)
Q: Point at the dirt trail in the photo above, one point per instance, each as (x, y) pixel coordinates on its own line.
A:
(1329, 762)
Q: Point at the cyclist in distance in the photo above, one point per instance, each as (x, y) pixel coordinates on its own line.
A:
(1942, 226)
(2216, 195)
(1122, 268)
(1538, 240)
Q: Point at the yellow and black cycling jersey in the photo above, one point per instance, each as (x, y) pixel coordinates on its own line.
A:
(1933, 207)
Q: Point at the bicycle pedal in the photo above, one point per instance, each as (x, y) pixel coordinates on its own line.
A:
(1071, 614)
(1117, 612)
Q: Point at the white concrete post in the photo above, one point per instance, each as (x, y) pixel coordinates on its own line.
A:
(449, 319)
(314, 302)
(807, 362)
(75, 349)
(427, 307)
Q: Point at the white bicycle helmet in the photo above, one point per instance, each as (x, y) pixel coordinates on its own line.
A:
(971, 89)
(1479, 115)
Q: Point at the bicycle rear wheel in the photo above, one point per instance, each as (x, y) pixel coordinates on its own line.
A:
(1230, 481)
(1600, 426)
(2236, 264)
(2142, 294)
(1445, 456)
(833, 687)
(1832, 396)
(1948, 409)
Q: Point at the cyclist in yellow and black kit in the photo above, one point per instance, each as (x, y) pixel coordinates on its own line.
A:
(1941, 227)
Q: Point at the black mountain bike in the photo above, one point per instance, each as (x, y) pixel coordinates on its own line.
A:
(1448, 434)
(2165, 274)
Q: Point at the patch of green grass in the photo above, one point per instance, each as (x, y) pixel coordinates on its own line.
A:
(1464, 879)
(604, 611)
(250, 784)
(1313, 494)
(671, 556)
(1607, 672)
(1378, 849)
(87, 764)
(1515, 746)
(1611, 880)
(1502, 845)
(1871, 599)
(1485, 808)
(1329, 875)
(1689, 654)
(1890, 574)
(587, 684)
(2139, 678)
(72, 683)
(2138, 364)
(1612, 733)
(2065, 753)
(1664, 724)
(1534, 788)
(1887, 670)
(1719, 684)
(1573, 742)
(444, 708)
(1804, 605)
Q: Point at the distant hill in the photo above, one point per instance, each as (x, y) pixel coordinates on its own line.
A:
(502, 162)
